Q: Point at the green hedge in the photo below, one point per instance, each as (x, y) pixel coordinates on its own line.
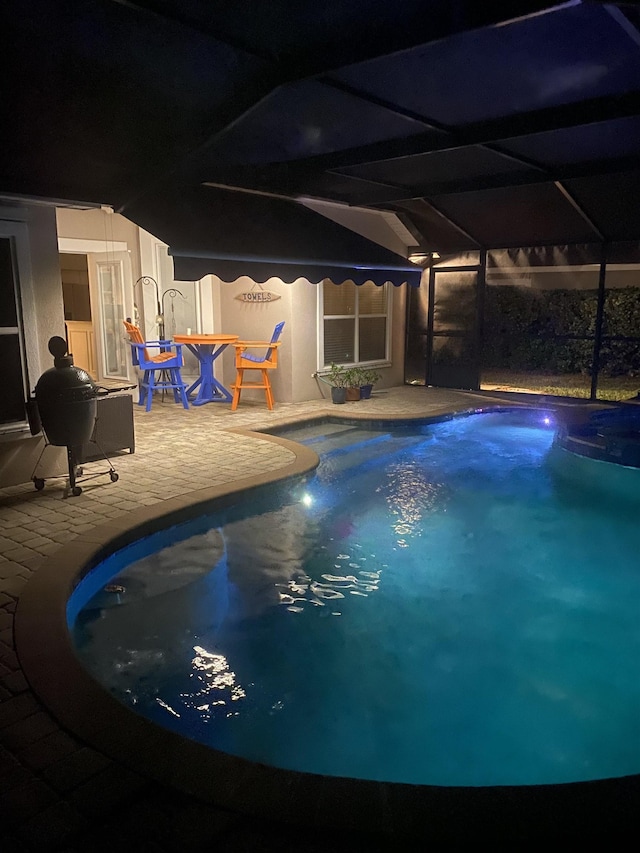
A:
(520, 325)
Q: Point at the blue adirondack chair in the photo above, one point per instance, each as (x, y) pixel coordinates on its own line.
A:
(161, 371)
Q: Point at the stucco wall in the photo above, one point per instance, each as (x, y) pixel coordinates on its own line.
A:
(394, 375)
(47, 284)
(43, 312)
(294, 381)
(304, 342)
(103, 227)
(255, 321)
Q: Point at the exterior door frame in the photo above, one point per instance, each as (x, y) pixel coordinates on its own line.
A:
(116, 250)
(122, 261)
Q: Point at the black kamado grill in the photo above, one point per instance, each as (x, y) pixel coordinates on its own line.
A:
(65, 409)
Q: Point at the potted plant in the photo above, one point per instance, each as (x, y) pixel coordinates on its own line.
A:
(337, 378)
(368, 378)
(352, 384)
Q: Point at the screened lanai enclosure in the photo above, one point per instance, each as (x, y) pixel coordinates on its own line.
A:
(560, 320)
(501, 140)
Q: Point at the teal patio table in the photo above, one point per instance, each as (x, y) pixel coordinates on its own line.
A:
(207, 348)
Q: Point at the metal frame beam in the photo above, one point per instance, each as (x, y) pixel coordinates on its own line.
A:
(421, 24)
(496, 131)
(293, 183)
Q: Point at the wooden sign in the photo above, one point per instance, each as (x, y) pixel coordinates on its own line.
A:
(258, 294)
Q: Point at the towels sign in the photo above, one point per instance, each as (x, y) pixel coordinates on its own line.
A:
(258, 294)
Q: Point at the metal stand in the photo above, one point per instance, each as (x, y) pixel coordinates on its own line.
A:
(76, 472)
(172, 292)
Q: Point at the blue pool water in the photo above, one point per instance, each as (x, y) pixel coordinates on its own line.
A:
(437, 605)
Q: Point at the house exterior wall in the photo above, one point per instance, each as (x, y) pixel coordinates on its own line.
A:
(394, 375)
(220, 311)
(104, 228)
(43, 315)
(255, 322)
(303, 334)
(294, 381)
(47, 285)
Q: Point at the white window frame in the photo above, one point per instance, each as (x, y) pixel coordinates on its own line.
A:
(386, 362)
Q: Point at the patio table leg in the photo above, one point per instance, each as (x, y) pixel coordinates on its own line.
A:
(209, 389)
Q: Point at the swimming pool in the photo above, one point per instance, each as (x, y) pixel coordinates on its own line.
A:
(436, 606)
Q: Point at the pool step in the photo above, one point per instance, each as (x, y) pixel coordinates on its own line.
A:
(314, 432)
(343, 446)
(347, 437)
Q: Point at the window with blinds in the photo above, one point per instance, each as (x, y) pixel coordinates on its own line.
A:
(12, 399)
(355, 327)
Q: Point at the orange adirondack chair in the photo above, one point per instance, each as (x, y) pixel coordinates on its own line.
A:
(250, 361)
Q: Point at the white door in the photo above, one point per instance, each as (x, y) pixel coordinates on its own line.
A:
(111, 288)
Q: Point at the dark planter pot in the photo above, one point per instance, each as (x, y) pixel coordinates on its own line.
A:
(352, 395)
(338, 395)
(365, 391)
